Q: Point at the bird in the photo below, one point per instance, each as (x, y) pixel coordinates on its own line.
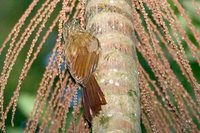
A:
(82, 51)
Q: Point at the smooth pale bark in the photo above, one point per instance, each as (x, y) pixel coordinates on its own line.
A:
(111, 22)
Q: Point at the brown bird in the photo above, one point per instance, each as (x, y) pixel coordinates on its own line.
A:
(82, 51)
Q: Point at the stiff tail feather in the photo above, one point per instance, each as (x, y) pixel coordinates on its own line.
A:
(93, 98)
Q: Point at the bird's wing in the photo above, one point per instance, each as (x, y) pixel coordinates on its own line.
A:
(84, 57)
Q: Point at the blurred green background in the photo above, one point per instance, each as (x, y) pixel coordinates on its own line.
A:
(11, 11)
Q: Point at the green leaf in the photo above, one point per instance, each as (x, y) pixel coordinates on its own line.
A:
(14, 130)
(25, 104)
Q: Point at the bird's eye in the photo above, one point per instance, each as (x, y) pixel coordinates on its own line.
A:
(75, 21)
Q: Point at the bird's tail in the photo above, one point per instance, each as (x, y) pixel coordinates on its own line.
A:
(93, 98)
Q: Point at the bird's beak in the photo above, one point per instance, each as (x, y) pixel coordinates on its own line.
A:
(65, 31)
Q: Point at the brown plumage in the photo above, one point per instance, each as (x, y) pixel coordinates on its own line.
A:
(82, 55)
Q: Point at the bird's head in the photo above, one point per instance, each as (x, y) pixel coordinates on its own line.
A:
(71, 26)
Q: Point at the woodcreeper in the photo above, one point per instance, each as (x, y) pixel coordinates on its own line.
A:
(82, 51)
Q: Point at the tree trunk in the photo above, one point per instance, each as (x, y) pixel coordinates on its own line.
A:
(111, 22)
